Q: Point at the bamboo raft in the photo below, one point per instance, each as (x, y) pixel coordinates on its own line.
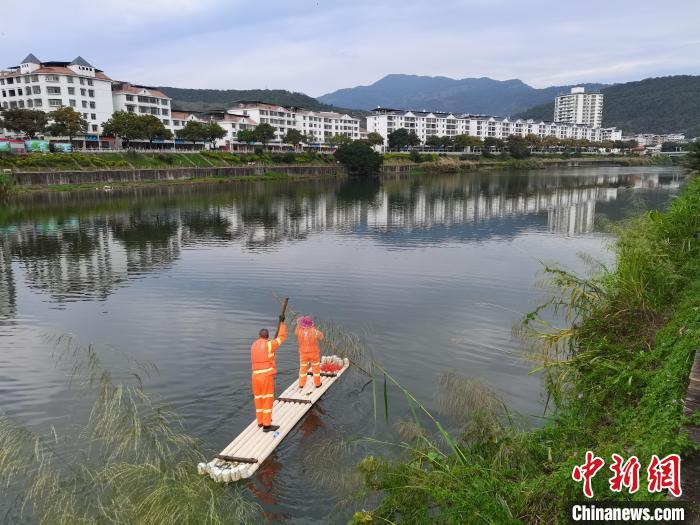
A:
(243, 456)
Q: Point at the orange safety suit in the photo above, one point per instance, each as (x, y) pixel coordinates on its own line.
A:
(309, 354)
(262, 355)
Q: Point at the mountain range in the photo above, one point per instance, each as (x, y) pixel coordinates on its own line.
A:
(467, 95)
(653, 105)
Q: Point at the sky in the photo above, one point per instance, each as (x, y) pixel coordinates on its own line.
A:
(318, 46)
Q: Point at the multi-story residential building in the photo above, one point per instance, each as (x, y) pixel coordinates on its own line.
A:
(318, 125)
(47, 86)
(143, 100)
(579, 107)
(181, 118)
(652, 139)
(427, 123)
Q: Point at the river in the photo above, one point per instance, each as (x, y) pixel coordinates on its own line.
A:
(433, 271)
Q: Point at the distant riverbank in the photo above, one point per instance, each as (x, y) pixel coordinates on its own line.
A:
(74, 172)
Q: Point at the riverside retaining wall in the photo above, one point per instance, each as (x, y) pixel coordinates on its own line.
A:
(50, 178)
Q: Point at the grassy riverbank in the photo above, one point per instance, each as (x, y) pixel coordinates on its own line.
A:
(132, 160)
(616, 372)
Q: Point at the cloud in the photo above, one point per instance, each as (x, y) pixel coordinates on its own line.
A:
(316, 46)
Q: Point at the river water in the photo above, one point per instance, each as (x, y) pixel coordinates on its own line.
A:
(434, 271)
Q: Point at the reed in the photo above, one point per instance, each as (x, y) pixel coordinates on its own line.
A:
(130, 462)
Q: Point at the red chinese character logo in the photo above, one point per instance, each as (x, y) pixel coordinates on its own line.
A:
(665, 474)
(587, 472)
(626, 474)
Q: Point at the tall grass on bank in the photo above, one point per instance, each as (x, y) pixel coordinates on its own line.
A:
(131, 462)
(615, 358)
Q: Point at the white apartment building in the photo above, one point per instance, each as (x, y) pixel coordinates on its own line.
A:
(181, 118)
(48, 86)
(579, 107)
(143, 100)
(320, 125)
(427, 123)
(232, 124)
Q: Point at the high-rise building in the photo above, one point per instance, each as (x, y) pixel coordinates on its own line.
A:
(579, 107)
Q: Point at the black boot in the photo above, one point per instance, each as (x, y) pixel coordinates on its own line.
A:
(270, 428)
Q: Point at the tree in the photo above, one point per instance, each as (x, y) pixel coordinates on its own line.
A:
(193, 131)
(264, 133)
(467, 141)
(29, 122)
(437, 141)
(339, 140)
(66, 123)
(359, 158)
(247, 135)
(518, 147)
(692, 159)
(213, 132)
(493, 142)
(295, 137)
(402, 139)
(374, 139)
(127, 126)
(153, 128)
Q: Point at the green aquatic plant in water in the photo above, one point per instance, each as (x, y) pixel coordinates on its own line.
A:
(131, 462)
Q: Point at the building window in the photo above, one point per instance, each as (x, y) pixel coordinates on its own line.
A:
(71, 91)
(130, 98)
(4, 93)
(82, 81)
(83, 91)
(21, 103)
(164, 101)
(93, 116)
(19, 92)
(36, 89)
(2, 81)
(13, 104)
(53, 90)
(176, 122)
(91, 92)
(55, 102)
(92, 105)
(71, 102)
(164, 111)
(69, 79)
(52, 78)
(85, 116)
(11, 92)
(130, 109)
(10, 80)
(166, 122)
(89, 82)
(26, 80)
(84, 102)
(94, 127)
(37, 103)
(30, 103)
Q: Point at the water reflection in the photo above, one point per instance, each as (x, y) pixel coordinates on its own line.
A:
(87, 244)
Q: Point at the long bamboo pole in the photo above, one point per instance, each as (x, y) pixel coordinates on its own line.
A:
(284, 309)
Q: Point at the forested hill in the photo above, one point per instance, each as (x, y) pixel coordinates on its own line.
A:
(206, 99)
(483, 95)
(652, 105)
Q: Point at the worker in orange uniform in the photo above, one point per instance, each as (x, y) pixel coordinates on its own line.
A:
(262, 354)
(309, 352)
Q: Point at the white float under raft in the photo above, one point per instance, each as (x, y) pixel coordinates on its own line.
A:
(244, 455)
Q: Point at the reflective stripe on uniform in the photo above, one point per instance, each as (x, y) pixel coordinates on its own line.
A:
(270, 353)
(263, 371)
(316, 364)
(264, 410)
(279, 341)
(264, 396)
